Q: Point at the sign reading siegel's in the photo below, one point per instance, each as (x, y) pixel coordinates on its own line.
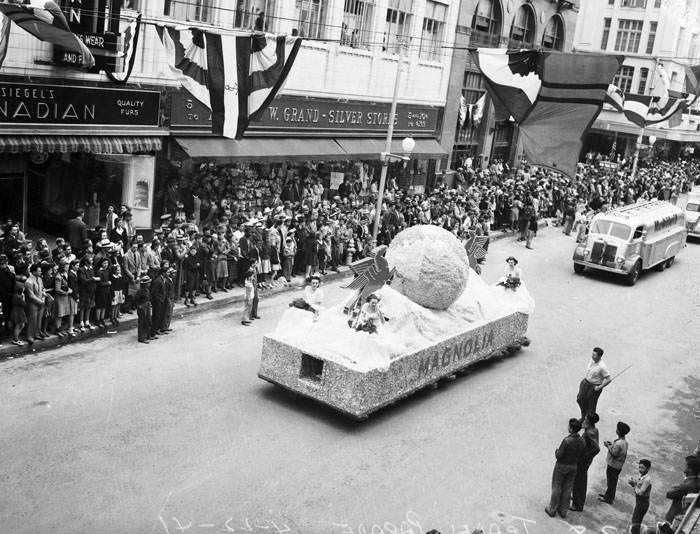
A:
(65, 104)
(316, 115)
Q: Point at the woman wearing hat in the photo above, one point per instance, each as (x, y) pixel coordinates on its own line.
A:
(87, 284)
(65, 303)
(103, 300)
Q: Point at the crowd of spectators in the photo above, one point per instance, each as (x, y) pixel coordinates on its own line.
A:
(210, 237)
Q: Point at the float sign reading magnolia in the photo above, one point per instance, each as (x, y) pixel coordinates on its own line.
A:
(64, 104)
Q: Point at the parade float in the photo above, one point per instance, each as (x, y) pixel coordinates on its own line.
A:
(416, 312)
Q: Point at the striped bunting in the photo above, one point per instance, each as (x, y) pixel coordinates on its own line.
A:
(17, 144)
(637, 108)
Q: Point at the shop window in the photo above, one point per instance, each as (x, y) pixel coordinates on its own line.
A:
(629, 33)
(398, 24)
(255, 15)
(311, 18)
(634, 3)
(191, 10)
(433, 30)
(486, 25)
(553, 37)
(356, 30)
(522, 32)
(623, 79)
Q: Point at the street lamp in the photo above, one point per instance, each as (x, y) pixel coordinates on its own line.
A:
(652, 139)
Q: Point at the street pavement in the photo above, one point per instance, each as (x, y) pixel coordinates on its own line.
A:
(112, 436)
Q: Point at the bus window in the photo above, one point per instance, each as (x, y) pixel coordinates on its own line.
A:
(638, 233)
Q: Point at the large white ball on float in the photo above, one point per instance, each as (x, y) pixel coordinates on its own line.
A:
(431, 265)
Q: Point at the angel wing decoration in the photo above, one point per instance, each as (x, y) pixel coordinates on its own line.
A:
(370, 275)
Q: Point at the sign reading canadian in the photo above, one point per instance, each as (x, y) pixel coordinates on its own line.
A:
(64, 104)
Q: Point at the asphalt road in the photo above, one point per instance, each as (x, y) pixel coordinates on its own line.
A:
(181, 436)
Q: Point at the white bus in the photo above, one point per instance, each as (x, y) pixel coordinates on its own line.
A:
(633, 238)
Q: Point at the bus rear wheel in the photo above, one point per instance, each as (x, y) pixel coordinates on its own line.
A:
(670, 261)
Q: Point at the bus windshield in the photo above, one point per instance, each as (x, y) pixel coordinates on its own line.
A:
(615, 229)
(692, 207)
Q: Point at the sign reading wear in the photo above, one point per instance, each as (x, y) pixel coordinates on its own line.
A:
(317, 116)
(102, 45)
(65, 104)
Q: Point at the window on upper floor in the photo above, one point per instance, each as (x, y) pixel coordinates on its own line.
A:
(606, 34)
(657, 4)
(255, 15)
(623, 79)
(643, 77)
(399, 14)
(674, 82)
(356, 30)
(192, 10)
(522, 32)
(310, 17)
(679, 41)
(486, 26)
(629, 33)
(554, 34)
(652, 37)
(611, 2)
(693, 48)
(433, 30)
(634, 3)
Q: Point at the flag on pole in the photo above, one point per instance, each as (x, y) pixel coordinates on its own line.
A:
(4, 37)
(244, 74)
(479, 110)
(615, 98)
(131, 42)
(187, 59)
(46, 22)
(637, 108)
(554, 98)
(511, 78)
(462, 116)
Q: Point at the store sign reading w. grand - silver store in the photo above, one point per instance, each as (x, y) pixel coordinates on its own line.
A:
(316, 115)
(64, 104)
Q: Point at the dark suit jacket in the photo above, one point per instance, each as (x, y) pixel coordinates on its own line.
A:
(77, 233)
(676, 494)
(158, 290)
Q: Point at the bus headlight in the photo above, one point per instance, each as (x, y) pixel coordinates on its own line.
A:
(620, 259)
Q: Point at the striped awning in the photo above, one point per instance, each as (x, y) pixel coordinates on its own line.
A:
(16, 144)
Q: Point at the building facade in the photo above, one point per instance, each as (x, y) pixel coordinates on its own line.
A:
(540, 24)
(647, 33)
(73, 138)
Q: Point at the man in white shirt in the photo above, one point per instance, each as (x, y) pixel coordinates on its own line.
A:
(597, 377)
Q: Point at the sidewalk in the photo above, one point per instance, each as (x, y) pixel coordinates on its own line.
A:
(234, 298)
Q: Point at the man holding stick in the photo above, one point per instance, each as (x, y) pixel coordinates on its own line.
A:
(597, 377)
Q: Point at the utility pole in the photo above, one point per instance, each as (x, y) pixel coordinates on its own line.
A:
(641, 133)
(385, 157)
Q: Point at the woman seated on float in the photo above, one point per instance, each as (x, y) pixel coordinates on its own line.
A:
(511, 275)
(313, 297)
(370, 316)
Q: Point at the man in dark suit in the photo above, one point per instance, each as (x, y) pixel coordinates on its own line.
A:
(568, 456)
(77, 230)
(158, 298)
(691, 484)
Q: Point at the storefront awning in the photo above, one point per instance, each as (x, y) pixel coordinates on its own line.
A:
(371, 148)
(229, 150)
(16, 144)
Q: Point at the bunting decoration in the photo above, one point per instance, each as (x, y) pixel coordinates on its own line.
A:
(636, 108)
(131, 42)
(46, 22)
(244, 75)
(478, 112)
(4, 37)
(187, 59)
(554, 98)
(615, 98)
